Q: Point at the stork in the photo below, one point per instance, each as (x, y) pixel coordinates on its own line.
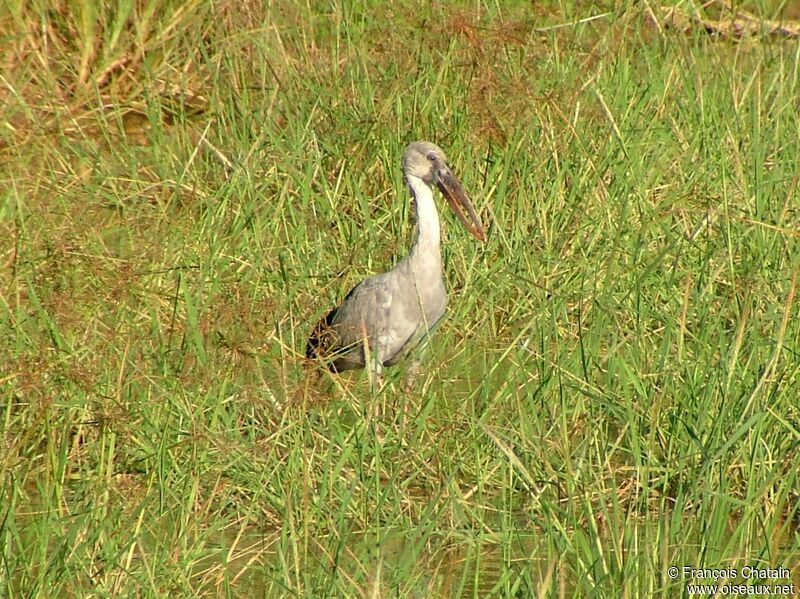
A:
(387, 315)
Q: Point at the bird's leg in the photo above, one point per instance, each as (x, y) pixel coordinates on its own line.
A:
(372, 362)
(415, 365)
(375, 386)
(376, 376)
(374, 411)
(412, 371)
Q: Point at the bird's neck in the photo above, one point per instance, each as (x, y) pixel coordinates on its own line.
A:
(428, 234)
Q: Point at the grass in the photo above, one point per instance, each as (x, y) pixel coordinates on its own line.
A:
(188, 187)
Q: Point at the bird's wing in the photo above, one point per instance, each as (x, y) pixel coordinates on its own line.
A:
(384, 311)
(364, 311)
(339, 337)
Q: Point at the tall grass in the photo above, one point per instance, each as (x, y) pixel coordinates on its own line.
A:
(187, 188)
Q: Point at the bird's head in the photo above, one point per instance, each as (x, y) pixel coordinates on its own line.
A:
(427, 161)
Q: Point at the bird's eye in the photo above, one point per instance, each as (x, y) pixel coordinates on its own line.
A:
(432, 157)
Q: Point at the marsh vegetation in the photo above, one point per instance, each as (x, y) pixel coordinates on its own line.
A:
(186, 188)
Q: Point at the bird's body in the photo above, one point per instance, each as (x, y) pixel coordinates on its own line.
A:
(389, 314)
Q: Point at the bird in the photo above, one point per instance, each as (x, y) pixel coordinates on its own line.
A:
(388, 315)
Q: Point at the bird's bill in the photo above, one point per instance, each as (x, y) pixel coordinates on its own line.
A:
(458, 199)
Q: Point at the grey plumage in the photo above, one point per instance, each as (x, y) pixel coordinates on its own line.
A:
(391, 313)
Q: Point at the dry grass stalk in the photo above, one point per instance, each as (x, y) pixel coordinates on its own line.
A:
(731, 22)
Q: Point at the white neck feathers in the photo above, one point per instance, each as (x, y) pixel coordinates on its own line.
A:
(428, 233)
